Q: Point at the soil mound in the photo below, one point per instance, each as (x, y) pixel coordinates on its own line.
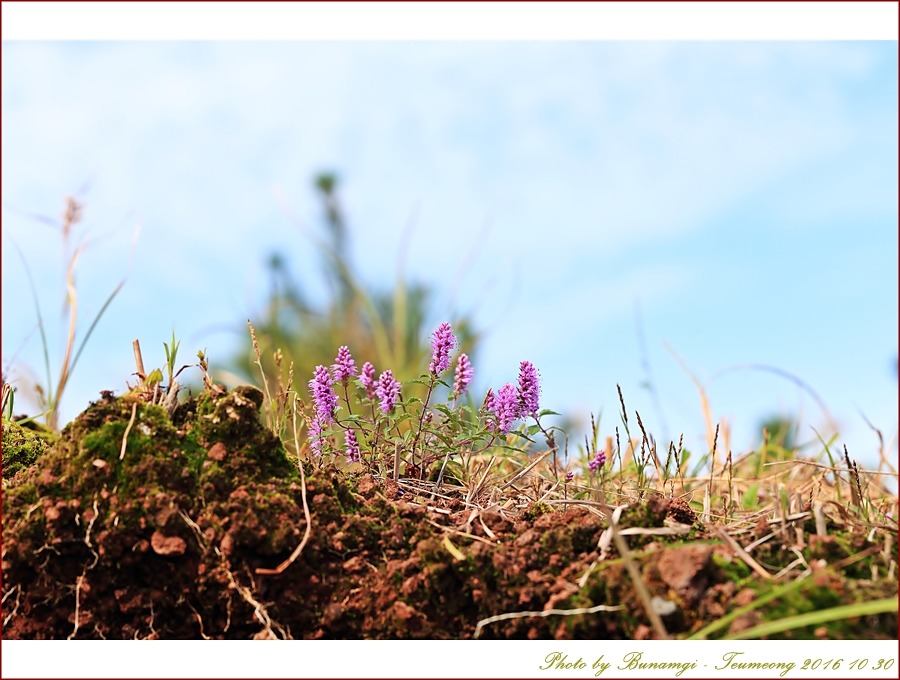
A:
(137, 525)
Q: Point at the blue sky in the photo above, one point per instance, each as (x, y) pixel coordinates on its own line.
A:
(741, 195)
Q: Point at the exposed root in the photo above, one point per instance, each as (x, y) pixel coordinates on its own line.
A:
(199, 621)
(78, 583)
(547, 612)
(308, 531)
(260, 612)
(87, 535)
(128, 430)
(18, 592)
(201, 539)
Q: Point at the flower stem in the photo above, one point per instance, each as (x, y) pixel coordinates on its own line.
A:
(412, 453)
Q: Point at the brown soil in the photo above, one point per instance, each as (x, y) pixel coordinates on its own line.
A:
(166, 542)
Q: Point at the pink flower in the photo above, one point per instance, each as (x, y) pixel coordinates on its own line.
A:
(442, 342)
(463, 374)
(529, 388)
(388, 391)
(344, 367)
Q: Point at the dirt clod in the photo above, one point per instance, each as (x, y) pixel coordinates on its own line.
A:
(167, 545)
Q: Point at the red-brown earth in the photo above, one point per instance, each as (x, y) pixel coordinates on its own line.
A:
(165, 542)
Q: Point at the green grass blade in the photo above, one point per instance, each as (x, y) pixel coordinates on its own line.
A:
(718, 624)
(9, 400)
(827, 446)
(817, 617)
(94, 324)
(399, 321)
(40, 320)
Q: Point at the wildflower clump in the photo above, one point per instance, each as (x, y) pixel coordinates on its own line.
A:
(376, 426)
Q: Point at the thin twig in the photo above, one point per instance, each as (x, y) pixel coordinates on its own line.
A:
(743, 554)
(138, 359)
(637, 581)
(524, 471)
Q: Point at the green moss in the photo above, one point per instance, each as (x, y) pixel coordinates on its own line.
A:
(22, 446)
(536, 510)
(638, 515)
(250, 449)
(731, 569)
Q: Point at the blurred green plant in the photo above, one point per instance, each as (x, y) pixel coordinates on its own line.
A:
(48, 394)
(295, 335)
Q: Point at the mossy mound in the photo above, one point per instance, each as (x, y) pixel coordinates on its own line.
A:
(101, 540)
(22, 445)
(135, 524)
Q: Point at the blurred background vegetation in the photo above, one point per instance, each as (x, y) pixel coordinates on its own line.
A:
(390, 328)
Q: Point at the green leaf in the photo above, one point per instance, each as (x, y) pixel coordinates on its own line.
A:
(751, 497)
(887, 605)
(446, 439)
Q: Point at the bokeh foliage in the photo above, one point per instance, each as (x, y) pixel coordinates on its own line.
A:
(390, 328)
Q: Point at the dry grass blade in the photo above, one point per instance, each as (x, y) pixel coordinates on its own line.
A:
(704, 401)
(832, 423)
(448, 530)
(656, 531)
(477, 488)
(524, 471)
(743, 554)
(637, 581)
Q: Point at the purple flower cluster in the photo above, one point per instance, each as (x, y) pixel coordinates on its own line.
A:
(505, 405)
(529, 388)
(570, 475)
(323, 395)
(367, 379)
(463, 374)
(344, 367)
(501, 409)
(442, 342)
(352, 450)
(388, 391)
(512, 402)
(598, 461)
(320, 387)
